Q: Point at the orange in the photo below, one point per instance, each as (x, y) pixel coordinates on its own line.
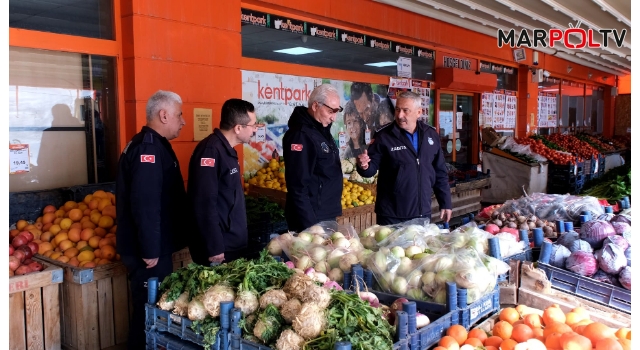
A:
(473, 342)
(76, 225)
(113, 229)
(65, 224)
(63, 258)
(57, 221)
(88, 224)
(517, 322)
(493, 341)
(439, 348)
(74, 261)
(100, 194)
(74, 234)
(82, 207)
(626, 344)
(110, 211)
(491, 348)
(55, 255)
(538, 333)
(449, 343)
(75, 214)
(103, 203)
(521, 309)
(86, 234)
(608, 344)
(552, 341)
(103, 242)
(86, 256)
(94, 241)
(21, 224)
(623, 332)
(87, 212)
(583, 312)
(533, 320)
(597, 331)
(103, 262)
(478, 333)
(66, 244)
(508, 344)
(503, 329)
(70, 205)
(71, 252)
(93, 204)
(48, 209)
(46, 227)
(112, 197)
(95, 217)
(44, 247)
(510, 315)
(98, 253)
(87, 199)
(48, 253)
(458, 332)
(521, 333)
(89, 264)
(59, 213)
(59, 238)
(81, 244)
(573, 318)
(96, 260)
(553, 314)
(556, 328)
(105, 222)
(575, 341)
(99, 231)
(48, 218)
(54, 229)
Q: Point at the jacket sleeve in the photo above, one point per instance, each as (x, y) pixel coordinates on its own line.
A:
(204, 176)
(146, 192)
(441, 187)
(300, 161)
(374, 151)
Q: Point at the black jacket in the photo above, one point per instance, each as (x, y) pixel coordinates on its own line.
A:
(217, 198)
(407, 180)
(150, 196)
(312, 172)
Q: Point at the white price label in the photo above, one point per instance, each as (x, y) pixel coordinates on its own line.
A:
(367, 136)
(18, 158)
(342, 139)
(596, 168)
(575, 170)
(261, 133)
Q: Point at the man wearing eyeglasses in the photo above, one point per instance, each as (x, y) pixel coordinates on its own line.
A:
(312, 172)
(215, 188)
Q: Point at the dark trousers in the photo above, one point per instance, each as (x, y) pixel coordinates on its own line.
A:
(139, 274)
(200, 256)
(388, 220)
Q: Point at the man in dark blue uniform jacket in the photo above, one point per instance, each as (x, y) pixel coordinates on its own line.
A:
(151, 204)
(312, 161)
(409, 157)
(215, 187)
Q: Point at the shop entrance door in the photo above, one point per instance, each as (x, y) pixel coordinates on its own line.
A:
(456, 118)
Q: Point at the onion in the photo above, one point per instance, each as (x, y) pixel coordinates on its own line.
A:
(14, 263)
(274, 247)
(317, 254)
(346, 261)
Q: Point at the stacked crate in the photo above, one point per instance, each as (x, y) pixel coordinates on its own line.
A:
(564, 179)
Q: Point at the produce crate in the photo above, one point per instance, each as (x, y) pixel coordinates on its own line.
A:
(34, 309)
(359, 217)
(164, 341)
(181, 259)
(276, 196)
(95, 304)
(462, 202)
(79, 192)
(161, 321)
(556, 169)
(480, 182)
(28, 205)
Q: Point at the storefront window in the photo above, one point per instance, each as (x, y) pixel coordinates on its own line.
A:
(63, 106)
(595, 108)
(508, 81)
(90, 18)
(572, 114)
(548, 105)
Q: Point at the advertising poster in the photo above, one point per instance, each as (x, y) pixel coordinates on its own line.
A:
(420, 87)
(487, 108)
(498, 110)
(547, 115)
(511, 109)
(276, 95)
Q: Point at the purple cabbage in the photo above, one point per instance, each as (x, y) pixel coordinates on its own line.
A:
(582, 263)
(617, 240)
(621, 218)
(594, 232)
(612, 259)
(597, 254)
(580, 245)
(604, 277)
(625, 277)
(559, 255)
(621, 228)
(627, 254)
(567, 237)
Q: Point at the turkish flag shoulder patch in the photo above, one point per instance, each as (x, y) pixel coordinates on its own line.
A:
(147, 158)
(210, 162)
(296, 147)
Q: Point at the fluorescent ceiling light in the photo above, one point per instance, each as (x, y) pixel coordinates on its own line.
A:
(382, 64)
(297, 51)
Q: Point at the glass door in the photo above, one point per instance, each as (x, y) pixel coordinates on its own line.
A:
(456, 118)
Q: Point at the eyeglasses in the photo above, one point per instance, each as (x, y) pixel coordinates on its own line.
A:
(334, 110)
(254, 125)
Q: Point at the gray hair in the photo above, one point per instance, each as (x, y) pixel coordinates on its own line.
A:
(321, 93)
(417, 100)
(160, 100)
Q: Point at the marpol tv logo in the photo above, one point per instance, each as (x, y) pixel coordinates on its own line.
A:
(572, 37)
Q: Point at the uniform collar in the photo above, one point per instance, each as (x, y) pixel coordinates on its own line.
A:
(232, 152)
(154, 133)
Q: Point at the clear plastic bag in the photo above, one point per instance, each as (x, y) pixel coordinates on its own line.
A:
(410, 233)
(552, 207)
(465, 236)
(511, 145)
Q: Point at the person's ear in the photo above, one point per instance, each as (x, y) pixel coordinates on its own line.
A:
(163, 116)
(237, 129)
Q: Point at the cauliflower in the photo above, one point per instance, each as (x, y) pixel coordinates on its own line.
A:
(347, 166)
(355, 177)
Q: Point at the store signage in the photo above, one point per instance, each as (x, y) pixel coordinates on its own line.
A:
(403, 49)
(494, 68)
(509, 70)
(254, 18)
(377, 43)
(321, 31)
(352, 37)
(425, 53)
(288, 25)
(497, 68)
(454, 62)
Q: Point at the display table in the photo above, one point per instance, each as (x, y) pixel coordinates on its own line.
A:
(509, 175)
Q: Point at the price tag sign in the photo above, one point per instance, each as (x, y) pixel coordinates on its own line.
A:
(261, 133)
(18, 158)
(342, 139)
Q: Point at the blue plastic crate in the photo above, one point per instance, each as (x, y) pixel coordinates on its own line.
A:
(167, 322)
(474, 312)
(28, 205)
(157, 340)
(588, 288)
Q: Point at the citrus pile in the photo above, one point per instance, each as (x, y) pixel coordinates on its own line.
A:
(271, 176)
(554, 330)
(80, 234)
(354, 195)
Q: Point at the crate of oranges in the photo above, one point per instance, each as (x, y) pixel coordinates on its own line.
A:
(268, 182)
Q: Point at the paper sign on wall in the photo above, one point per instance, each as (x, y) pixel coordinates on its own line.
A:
(261, 133)
(404, 67)
(202, 123)
(18, 158)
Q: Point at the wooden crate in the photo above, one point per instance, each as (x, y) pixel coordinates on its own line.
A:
(181, 259)
(359, 217)
(96, 306)
(34, 309)
(279, 197)
(462, 202)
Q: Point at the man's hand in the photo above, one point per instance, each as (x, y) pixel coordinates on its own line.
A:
(217, 258)
(150, 262)
(363, 161)
(447, 213)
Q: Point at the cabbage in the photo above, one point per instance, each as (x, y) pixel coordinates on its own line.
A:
(559, 255)
(621, 218)
(612, 259)
(627, 254)
(621, 228)
(567, 238)
(579, 245)
(617, 240)
(595, 232)
(625, 277)
(604, 277)
(582, 263)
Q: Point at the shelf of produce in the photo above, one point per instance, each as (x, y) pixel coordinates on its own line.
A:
(34, 307)
(509, 175)
(95, 304)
